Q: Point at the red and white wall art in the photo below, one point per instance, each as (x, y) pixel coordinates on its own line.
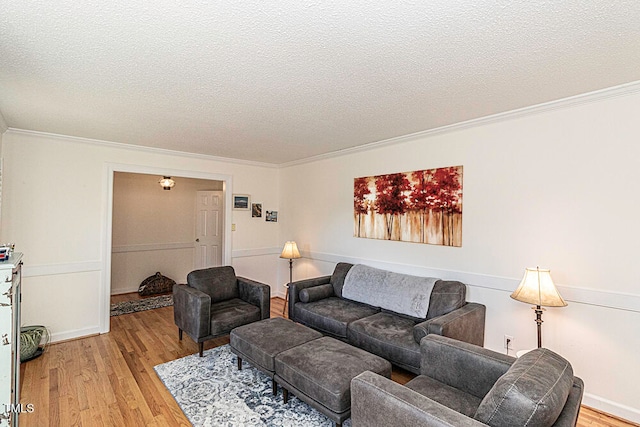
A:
(422, 206)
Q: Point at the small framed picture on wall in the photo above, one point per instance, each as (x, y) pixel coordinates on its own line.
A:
(272, 216)
(256, 210)
(241, 202)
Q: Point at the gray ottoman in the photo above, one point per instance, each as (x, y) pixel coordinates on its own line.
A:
(260, 342)
(319, 372)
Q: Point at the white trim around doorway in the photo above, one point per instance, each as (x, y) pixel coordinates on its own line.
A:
(107, 221)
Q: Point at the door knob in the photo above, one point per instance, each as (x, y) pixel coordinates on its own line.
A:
(197, 240)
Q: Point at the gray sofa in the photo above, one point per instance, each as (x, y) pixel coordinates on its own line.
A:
(386, 313)
(461, 384)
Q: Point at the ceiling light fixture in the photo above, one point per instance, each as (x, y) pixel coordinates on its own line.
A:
(166, 182)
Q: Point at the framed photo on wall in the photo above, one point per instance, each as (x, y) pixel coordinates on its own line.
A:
(241, 202)
(272, 216)
(256, 210)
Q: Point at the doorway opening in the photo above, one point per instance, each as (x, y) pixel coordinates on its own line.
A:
(147, 228)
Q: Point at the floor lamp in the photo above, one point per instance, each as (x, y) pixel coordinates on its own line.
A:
(290, 252)
(537, 288)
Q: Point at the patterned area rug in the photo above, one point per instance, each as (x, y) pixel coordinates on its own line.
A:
(126, 307)
(211, 391)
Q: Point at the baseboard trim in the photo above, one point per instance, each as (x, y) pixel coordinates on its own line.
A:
(124, 291)
(611, 408)
(58, 337)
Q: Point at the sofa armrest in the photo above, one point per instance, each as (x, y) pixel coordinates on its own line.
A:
(464, 324)
(378, 401)
(192, 311)
(296, 287)
(256, 293)
(571, 410)
(467, 367)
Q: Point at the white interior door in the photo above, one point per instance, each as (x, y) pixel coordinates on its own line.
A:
(209, 228)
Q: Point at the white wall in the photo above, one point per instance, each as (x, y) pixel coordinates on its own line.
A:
(153, 229)
(55, 210)
(558, 189)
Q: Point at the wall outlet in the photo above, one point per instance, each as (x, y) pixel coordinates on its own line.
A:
(508, 342)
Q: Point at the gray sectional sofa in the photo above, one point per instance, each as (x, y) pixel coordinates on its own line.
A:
(386, 313)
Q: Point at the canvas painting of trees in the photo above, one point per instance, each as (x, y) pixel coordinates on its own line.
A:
(422, 206)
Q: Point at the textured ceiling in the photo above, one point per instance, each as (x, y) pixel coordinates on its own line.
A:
(277, 81)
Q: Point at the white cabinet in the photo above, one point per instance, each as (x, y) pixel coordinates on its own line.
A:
(10, 296)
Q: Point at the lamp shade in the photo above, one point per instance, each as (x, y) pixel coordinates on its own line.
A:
(290, 251)
(537, 288)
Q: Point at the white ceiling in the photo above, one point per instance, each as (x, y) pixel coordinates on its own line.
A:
(276, 81)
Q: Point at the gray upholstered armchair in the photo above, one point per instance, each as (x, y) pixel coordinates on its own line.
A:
(215, 301)
(462, 384)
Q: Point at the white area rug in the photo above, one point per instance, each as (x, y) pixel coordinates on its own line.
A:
(211, 391)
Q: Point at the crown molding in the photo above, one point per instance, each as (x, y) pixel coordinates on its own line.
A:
(142, 148)
(572, 101)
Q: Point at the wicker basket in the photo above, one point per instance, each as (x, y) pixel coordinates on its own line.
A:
(30, 339)
(156, 284)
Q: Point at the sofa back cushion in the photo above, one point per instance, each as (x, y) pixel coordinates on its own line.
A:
(337, 278)
(400, 293)
(218, 282)
(532, 392)
(447, 295)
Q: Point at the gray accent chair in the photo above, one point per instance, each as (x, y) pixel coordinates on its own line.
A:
(215, 300)
(462, 384)
(319, 303)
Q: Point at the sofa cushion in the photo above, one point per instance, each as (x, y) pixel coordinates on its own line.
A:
(446, 296)
(532, 392)
(218, 282)
(397, 292)
(337, 278)
(444, 394)
(389, 336)
(316, 293)
(331, 315)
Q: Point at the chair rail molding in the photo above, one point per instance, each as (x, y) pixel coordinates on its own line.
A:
(615, 300)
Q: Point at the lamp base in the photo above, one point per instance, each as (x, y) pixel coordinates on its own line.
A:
(286, 294)
(539, 311)
(286, 299)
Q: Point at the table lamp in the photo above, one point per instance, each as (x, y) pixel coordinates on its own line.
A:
(537, 288)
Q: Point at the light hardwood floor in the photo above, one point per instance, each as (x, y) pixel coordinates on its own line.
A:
(108, 380)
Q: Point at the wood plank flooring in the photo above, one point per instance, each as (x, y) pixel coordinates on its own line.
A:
(108, 380)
